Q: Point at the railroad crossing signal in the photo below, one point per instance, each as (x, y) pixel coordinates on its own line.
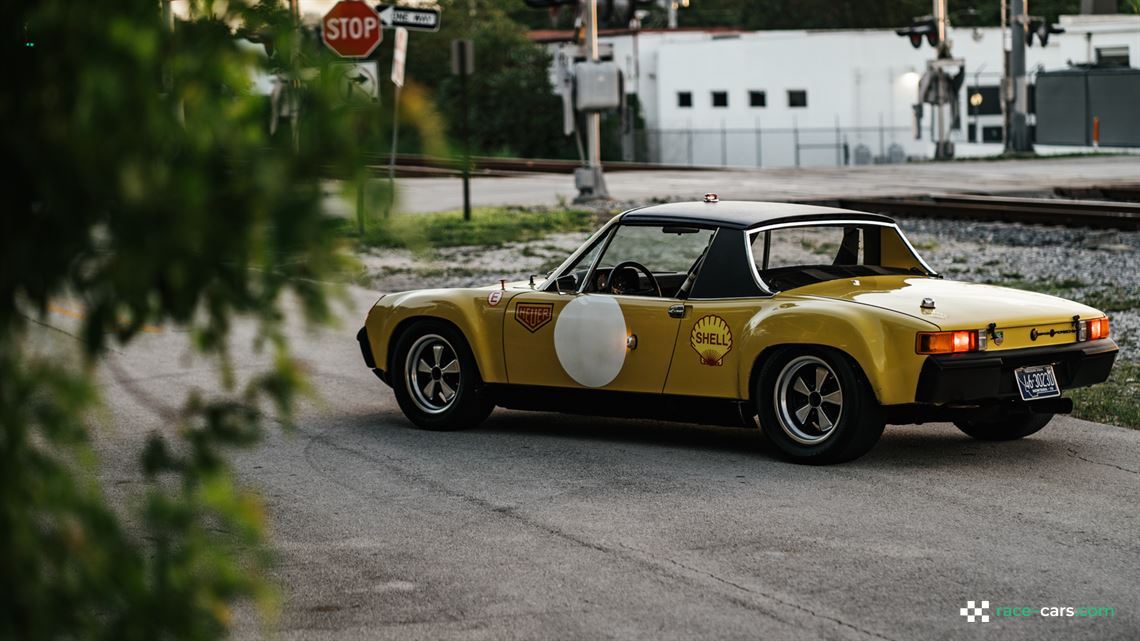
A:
(412, 18)
(919, 28)
(351, 29)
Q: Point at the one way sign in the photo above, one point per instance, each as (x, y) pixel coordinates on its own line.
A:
(412, 18)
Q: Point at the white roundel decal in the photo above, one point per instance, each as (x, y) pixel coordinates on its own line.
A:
(589, 338)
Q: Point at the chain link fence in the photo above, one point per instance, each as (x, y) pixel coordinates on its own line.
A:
(776, 147)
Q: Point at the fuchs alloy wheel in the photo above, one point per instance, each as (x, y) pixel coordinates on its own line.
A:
(432, 373)
(1007, 428)
(809, 400)
(437, 383)
(816, 406)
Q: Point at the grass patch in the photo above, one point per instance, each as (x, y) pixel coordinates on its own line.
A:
(489, 226)
(1115, 401)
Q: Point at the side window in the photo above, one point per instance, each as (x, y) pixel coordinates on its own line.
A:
(582, 264)
(661, 249)
(666, 251)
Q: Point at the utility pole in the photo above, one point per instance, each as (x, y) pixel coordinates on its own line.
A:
(594, 185)
(942, 149)
(1017, 137)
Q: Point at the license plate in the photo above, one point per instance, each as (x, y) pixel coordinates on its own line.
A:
(1036, 382)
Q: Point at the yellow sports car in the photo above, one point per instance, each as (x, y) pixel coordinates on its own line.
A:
(820, 324)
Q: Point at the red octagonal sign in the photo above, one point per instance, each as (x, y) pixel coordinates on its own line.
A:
(352, 29)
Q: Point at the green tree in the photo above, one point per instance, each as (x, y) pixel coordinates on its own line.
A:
(513, 108)
(142, 181)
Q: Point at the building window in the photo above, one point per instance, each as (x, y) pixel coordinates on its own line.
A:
(797, 97)
(684, 99)
(720, 98)
(757, 99)
(1112, 56)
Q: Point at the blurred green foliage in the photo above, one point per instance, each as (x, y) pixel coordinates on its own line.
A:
(142, 183)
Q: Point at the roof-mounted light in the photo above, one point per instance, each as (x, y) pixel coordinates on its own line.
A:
(711, 198)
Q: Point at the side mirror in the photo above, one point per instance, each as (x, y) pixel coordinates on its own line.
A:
(567, 284)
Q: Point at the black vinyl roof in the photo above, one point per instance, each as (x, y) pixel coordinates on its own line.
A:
(742, 214)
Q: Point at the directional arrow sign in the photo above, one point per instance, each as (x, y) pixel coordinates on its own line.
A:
(412, 18)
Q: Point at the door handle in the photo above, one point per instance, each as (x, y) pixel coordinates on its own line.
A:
(677, 311)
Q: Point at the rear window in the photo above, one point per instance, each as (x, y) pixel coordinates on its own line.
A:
(789, 257)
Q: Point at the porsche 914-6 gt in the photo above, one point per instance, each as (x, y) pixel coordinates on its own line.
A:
(818, 325)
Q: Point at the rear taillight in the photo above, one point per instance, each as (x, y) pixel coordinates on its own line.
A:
(1097, 328)
(956, 342)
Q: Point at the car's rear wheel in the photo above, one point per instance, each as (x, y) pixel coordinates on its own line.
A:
(816, 406)
(1007, 428)
(436, 380)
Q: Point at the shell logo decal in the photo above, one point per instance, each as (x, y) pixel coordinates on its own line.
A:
(711, 339)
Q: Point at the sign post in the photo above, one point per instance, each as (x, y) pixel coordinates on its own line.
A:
(352, 29)
(399, 55)
(463, 65)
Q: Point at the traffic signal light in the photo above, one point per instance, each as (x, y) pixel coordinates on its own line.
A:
(1041, 27)
(924, 27)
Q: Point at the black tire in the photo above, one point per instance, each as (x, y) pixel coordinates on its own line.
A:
(425, 399)
(842, 399)
(1008, 428)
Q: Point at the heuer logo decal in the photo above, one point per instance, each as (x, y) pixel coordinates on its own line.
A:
(711, 339)
(533, 316)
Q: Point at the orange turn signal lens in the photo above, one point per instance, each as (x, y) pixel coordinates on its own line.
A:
(946, 342)
(1098, 328)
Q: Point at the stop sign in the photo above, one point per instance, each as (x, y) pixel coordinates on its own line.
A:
(351, 28)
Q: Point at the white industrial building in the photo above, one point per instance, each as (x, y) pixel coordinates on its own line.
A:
(783, 98)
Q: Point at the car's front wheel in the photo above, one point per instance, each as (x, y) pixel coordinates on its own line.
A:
(436, 380)
(815, 405)
(1007, 428)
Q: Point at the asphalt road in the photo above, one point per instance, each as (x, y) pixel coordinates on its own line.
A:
(539, 526)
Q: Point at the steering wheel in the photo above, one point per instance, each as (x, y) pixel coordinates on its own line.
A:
(639, 267)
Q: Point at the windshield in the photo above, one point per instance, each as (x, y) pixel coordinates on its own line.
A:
(790, 257)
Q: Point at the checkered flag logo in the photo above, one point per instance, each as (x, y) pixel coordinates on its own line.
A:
(974, 613)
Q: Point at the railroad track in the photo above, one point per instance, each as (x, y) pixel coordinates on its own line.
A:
(1042, 211)
(420, 165)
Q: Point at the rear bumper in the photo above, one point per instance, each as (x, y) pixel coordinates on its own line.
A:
(982, 376)
(369, 359)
